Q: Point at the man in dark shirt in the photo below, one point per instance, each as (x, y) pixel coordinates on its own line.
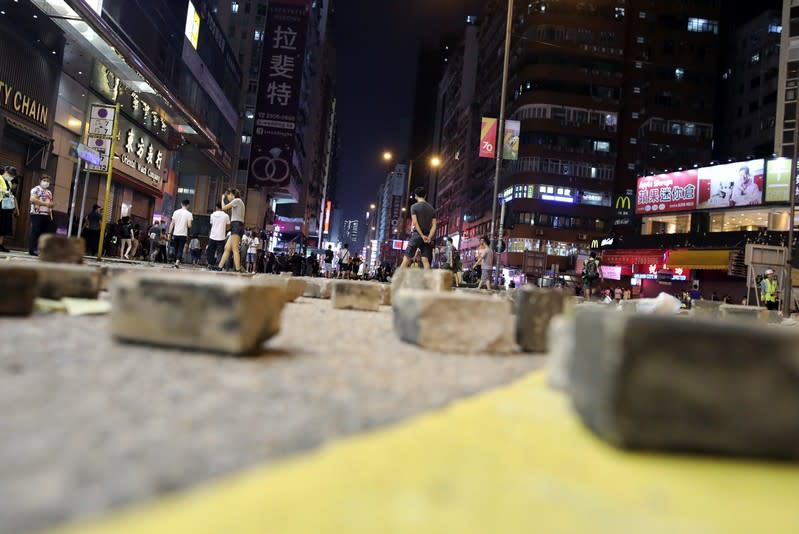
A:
(423, 216)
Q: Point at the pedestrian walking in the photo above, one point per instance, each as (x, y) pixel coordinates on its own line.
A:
(485, 260)
(195, 249)
(41, 201)
(179, 230)
(328, 266)
(232, 202)
(8, 205)
(453, 261)
(125, 238)
(154, 233)
(344, 260)
(220, 222)
(253, 246)
(423, 217)
(591, 275)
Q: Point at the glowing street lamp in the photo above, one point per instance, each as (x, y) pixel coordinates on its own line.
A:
(435, 162)
(387, 156)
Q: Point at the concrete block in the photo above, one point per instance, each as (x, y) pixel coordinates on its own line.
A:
(287, 274)
(744, 313)
(454, 322)
(707, 308)
(661, 382)
(628, 306)
(55, 248)
(58, 280)
(386, 290)
(18, 289)
(535, 308)
(560, 341)
(318, 288)
(348, 295)
(429, 279)
(293, 287)
(195, 311)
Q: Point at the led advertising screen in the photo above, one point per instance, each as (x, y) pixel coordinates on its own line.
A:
(778, 180)
(732, 185)
(663, 193)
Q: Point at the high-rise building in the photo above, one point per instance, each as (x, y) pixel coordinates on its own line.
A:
(390, 199)
(788, 85)
(305, 160)
(749, 88)
(350, 233)
(603, 90)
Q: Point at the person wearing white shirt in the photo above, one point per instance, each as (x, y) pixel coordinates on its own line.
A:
(220, 222)
(253, 244)
(179, 230)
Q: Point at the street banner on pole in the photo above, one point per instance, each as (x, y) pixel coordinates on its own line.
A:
(510, 142)
(279, 87)
(488, 138)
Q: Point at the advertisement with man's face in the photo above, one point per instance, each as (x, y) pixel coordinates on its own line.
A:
(732, 185)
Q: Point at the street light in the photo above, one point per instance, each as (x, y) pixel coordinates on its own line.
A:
(435, 162)
(387, 156)
(372, 206)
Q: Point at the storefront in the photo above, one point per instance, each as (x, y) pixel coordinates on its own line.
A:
(29, 78)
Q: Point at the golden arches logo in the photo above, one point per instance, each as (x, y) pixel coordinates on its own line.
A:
(624, 203)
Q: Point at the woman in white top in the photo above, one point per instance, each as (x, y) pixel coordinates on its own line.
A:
(253, 245)
(232, 202)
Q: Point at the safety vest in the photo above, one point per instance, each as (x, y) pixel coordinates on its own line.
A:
(770, 293)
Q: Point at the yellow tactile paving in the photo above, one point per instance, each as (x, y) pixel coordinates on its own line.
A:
(508, 461)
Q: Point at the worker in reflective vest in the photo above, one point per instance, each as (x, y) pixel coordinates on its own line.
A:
(768, 290)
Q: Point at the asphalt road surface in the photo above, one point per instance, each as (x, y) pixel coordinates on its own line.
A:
(88, 425)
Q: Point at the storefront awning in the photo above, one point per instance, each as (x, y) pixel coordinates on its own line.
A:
(718, 260)
(633, 257)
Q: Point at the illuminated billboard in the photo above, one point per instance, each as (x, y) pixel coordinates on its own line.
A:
(778, 180)
(663, 193)
(731, 185)
(192, 25)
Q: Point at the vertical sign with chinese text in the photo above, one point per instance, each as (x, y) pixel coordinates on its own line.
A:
(488, 138)
(278, 94)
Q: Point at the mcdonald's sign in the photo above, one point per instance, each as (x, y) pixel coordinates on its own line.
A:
(624, 209)
(623, 202)
(595, 243)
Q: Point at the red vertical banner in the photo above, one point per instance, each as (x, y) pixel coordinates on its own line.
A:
(488, 138)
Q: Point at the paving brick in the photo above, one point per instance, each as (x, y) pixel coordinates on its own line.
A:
(429, 279)
(18, 288)
(707, 308)
(293, 287)
(351, 295)
(195, 311)
(58, 280)
(745, 313)
(535, 308)
(318, 288)
(454, 322)
(61, 249)
(702, 385)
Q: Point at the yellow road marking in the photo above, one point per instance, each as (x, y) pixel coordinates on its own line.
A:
(508, 461)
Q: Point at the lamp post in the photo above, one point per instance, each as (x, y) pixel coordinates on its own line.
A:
(501, 130)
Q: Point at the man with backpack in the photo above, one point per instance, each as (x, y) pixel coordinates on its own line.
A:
(591, 275)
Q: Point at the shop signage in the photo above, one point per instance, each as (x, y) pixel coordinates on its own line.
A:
(140, 152)
(278, 95)
(731, 185)
(624, 209)
(15, 100)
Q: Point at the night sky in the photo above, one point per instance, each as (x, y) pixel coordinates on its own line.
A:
(378, 44)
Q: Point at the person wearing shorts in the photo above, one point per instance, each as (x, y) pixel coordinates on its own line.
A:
(179, 230)
(423, 216)
(231, 201)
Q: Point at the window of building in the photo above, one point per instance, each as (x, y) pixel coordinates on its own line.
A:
(234, 7)
(679, 73)
(618, 13)
(601, 146)
(640, 39)
(642, 15)
(635, 114)
(246, 139)
(631, 166)
(774, 28)
(676, 128)
(637, 90)
(752, 106)
(755, 59)
(748, 130)
(755, 82)
(702, 25)
(261, 9)
(638, 65)
(633, 140)
(259, 35)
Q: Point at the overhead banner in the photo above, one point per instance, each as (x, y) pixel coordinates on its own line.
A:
(510, 142)
(278, 94)
(731, 185)
(488, 138)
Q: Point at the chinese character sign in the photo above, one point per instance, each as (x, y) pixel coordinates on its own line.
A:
(278, 94)
(488, 138)
(676, 191)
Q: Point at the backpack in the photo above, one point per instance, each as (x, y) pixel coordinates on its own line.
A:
(590, 269)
